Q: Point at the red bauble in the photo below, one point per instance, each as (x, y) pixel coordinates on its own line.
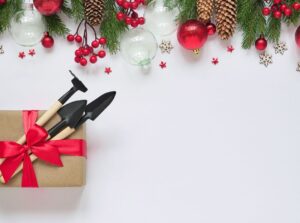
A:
(211, 28)
(296, 5)
(2, 2)
(288, 12)
(283, 7)
(266, 11)
(47, 41)
(261, 43)
(277, 14)
(192, 35)
(297, 36)
(48, 7)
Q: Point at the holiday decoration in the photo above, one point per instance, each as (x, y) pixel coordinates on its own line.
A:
(107, 70)
(298, 67)
(31, 52)
(1, 49)
(261, 43)
(48, 7)
(166, 46)
(226, 18)
(139, 47)
(192, 35)
(47, 41)
(297, 36)
(87, 51)
(128, 14)
(230, 49)
(265, 59)
(280, 47)
(163, 65)
(204, 10)
(215, 61)
(2, 2)
(22, 55)
(211, 28)
(160, 19)
(27, 27)
(94, 11)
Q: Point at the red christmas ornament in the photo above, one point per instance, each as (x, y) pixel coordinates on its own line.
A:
(297, 36)
(192, 35)
(261, 43)
(266, 11)
(47, 41)
(283, 7)
(48, 7)
(288, 12)
(277, 14)
(2, 2)
(296, 5)
(211, 28)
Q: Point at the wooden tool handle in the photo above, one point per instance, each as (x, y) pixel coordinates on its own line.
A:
(62, 135)
(49, 113)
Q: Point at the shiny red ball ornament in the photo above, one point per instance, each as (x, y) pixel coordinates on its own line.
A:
(48, 7)
(211, 28)
(261, 43)
(296, 5)
(277, 14)
(266, 11)
(297, 36)
(2, 2)
(283, 7)
(288, 12)
(192, 35)
(120, 16)
(47, 41)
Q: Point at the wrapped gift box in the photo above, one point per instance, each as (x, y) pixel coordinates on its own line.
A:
(73, 172)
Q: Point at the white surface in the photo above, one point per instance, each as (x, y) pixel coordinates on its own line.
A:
(192, 143)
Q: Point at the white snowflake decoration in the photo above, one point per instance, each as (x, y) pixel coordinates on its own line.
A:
(166, 46)
(280, 47)
(265, 59)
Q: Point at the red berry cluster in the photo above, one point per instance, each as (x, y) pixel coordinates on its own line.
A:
(280, 8)
(128, 14)
(86, 50)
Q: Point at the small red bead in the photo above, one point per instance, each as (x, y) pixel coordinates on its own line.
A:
(83, 62)
(95, 44)
(78, 39)
(141, 20)
(120, 16)
(101, 54)
(78, 53)
(77, 59)
(277, 1)
(288, 12)
(274, 8)
(93, 59)
(86, 51)
(120, 2)
(296, 5)
(283, 7)
(266, 11)
(134, 5)
(126, 5)
(128, 20)
(134, 23)
(70, 38)
(277, 14)
(102, 40)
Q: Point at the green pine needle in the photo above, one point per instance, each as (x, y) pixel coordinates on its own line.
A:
(55, 25)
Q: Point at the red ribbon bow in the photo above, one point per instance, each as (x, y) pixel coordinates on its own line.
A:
(37, 144)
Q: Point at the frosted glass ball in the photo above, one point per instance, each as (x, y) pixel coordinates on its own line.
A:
(160, 19)
(138, 47)
(27, 27)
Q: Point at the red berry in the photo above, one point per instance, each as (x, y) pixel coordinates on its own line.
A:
(126, 5)
(128, 20)
(120, 16)
(141, 20)
(101, 54)
(274, 8)
(91, 49)
(93, 59)
(95, 44)
(134, 5)
(102, 40)
(134, 15)
(296, 5)
(86, 51)
(277, 14)
(277, 1)
(77, 59)
(78, 39)
(288, 12)
(120, 2)
(70, 38)
(78, 53)
(283, 7)
(134, 23)
(2, 2)
(83, 62)
(266, 11)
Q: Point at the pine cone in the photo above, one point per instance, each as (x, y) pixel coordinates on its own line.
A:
(205, 10)
(94, 11)
(226, 17)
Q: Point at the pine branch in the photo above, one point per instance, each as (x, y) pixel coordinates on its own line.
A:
(55, 25)
(7, 11)
(187, 9)
(66, 9)
(111, 28)
(274, 28)
(77, 10)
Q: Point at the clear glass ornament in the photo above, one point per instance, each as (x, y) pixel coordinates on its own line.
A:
(138, 47)
(160, 18)
(27, 26)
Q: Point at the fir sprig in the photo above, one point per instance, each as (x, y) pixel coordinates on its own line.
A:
(7, 11)
(55, 25)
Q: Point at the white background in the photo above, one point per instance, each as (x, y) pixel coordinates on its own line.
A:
(192, 143)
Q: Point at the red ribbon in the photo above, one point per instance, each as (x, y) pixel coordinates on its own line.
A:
(36, 143)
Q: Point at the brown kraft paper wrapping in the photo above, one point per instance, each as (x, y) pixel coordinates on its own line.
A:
(72, 174)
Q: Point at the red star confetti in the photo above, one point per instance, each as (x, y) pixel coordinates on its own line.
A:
(215, 61)
(31, 52)
(22, 55)
(163, 65)
(108, 70)
(230, 49)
